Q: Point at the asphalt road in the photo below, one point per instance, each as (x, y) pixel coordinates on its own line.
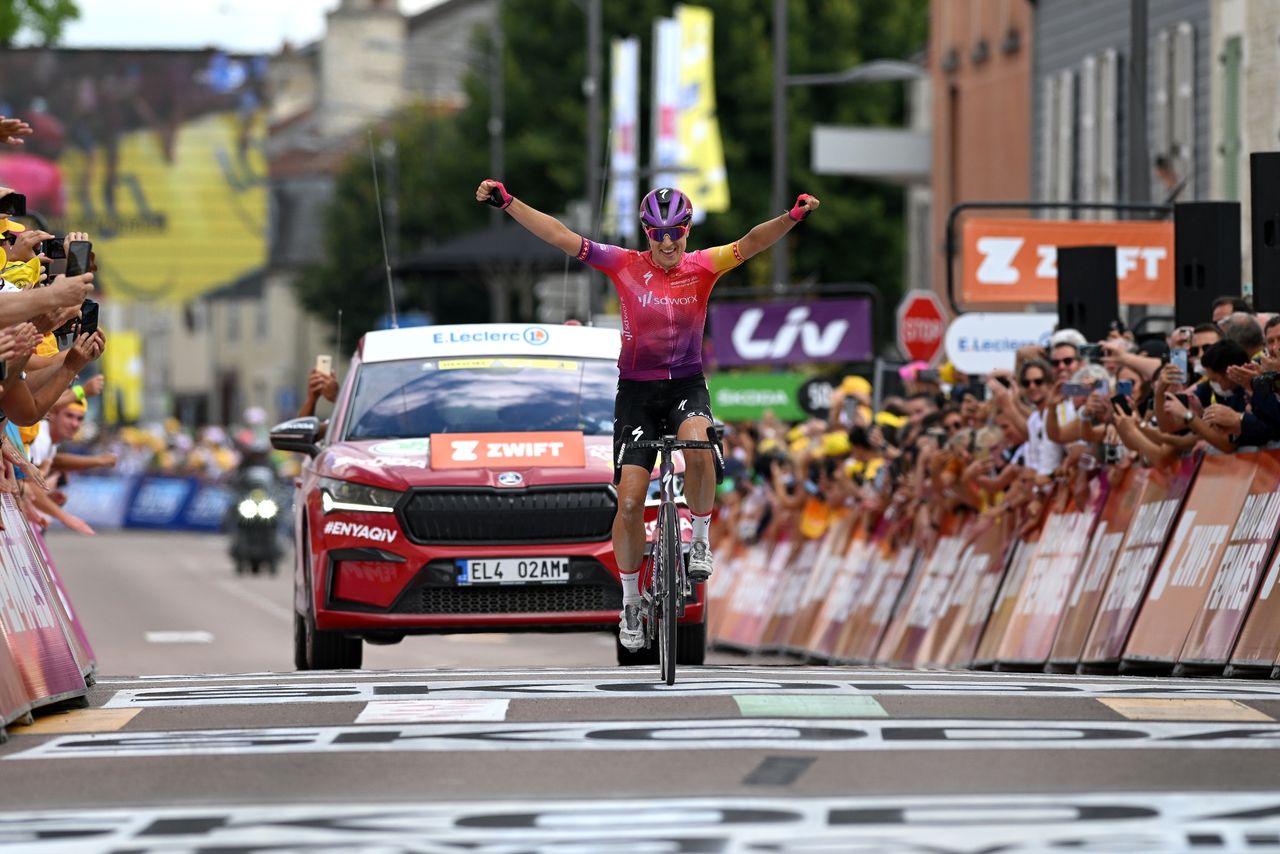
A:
(537, 743)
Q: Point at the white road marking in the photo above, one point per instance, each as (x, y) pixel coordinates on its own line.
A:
(421, 711)
(686, 735)
(179, 637)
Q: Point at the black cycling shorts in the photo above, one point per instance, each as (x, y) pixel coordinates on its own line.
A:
(651, 409)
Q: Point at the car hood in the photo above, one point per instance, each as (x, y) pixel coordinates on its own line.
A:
(405, 463)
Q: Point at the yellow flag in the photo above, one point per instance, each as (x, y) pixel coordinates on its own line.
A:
(122, 368)
(697, 127)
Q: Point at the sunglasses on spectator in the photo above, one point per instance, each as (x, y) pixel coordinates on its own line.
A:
(1196, 350)
(675, 232)
(1069, 360)
(951, 425)
(1028, 383)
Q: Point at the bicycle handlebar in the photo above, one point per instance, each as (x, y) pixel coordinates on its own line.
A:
(674, 444)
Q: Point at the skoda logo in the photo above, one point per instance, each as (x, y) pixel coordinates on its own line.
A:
(536, 335)
(510, 478)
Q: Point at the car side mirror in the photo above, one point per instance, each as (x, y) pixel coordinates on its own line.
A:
(298, 434)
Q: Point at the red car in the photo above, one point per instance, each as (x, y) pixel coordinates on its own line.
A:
(464, 484)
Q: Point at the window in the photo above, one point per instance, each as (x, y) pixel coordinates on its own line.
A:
(1232, 62)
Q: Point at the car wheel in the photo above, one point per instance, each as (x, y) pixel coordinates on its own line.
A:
(627, 658)
(300, 642)
(332, 650)
(691, 643)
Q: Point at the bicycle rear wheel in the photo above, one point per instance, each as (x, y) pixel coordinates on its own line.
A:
(667, 551)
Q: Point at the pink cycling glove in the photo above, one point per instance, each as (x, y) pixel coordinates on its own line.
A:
(799, 212)
(499, 197)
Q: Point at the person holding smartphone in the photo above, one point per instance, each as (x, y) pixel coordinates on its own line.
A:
(322, 382)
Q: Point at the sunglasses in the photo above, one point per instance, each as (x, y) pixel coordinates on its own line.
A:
(1196, 351)
(1030, 383)
(675, 232)
(952, 425)
(1057, 363)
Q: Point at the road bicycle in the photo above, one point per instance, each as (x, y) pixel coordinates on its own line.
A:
(668, 585)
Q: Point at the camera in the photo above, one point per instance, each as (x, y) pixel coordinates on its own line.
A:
(54, 248)
(14, 204)
(1267, 380)
(1092, 352)
(1112, 454)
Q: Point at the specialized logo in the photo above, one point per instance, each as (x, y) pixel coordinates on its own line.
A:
(536, 335)
(648, 276)
(815, 341)
(637, 434)
(361, 532)
(510, 478)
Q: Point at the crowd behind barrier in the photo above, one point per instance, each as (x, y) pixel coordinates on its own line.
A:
(1101, 506)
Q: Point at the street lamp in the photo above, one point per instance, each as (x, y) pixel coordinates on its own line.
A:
(876, 71)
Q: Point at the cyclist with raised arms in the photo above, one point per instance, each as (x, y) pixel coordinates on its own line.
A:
(663, 294)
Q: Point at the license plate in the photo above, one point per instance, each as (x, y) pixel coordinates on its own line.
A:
(514, 570)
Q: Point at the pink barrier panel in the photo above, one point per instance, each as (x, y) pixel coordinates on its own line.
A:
(1042, 599)
(1124, 492)
(916, 612)
(1144, 544)
(1259, 644)
(79, 639)
(850, 564)
(873, 610)
(1236, 577)
(818, 585)
(1024, 549)
(30, 620)
(982, 558)
(791, 589)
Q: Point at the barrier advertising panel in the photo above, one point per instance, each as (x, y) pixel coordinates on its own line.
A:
(1124, 492)
(1235, 580)
(902, 639)
(1259, 644)
(1181, 584)
(825, 565)
(1024, 550)
(973, 589)
(1144, 543)
(838, 602)
(1050, 577)
(873, 610)
(790, 590)
(29, 618)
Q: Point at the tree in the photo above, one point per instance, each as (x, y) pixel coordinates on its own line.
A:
(45, 18)
(856, 237)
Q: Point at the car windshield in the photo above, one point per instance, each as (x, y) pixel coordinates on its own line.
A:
(412, 398)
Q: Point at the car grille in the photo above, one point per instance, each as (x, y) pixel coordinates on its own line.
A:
(512, 600)
(552, 515)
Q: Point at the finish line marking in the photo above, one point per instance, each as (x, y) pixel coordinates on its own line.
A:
(421, 711)
(809, 706)
(686, 735)
(962, 824)
(286, 691)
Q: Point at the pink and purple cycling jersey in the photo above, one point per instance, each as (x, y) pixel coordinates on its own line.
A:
(663, 313)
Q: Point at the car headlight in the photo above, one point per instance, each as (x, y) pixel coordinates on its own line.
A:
(654, 498)
(248, 508)
(345, 495)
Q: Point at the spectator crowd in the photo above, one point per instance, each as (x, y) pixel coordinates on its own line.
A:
(1063, 416)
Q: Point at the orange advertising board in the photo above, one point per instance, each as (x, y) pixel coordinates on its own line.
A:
(1191, 560)
(1259, 644)
(507, 450)
(1016, 260)
(1232, 589)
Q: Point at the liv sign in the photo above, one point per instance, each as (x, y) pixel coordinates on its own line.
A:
(791, 331)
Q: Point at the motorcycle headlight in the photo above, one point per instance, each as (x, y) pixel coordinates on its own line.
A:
(248, 508)
(345, 495)
(268, 509)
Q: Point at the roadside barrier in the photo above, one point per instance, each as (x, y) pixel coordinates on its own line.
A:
(148, 501)
(44, 657)
(1151, 570)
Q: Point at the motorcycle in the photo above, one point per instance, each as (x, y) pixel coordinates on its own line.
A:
(254, 523)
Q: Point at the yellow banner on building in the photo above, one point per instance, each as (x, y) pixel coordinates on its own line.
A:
(158, 155)
(697, 127)
(122, 368)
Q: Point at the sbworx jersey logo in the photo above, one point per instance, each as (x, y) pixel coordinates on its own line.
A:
(649, 300)
(362, 532)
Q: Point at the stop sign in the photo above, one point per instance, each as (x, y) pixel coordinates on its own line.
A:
(921, 325)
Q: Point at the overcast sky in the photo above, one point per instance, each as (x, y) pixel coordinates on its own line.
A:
(251, 26)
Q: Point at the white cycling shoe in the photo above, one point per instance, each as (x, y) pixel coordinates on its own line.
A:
(701, 562)
(630, 627)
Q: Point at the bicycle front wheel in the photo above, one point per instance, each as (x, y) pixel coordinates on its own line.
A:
(666, 566)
